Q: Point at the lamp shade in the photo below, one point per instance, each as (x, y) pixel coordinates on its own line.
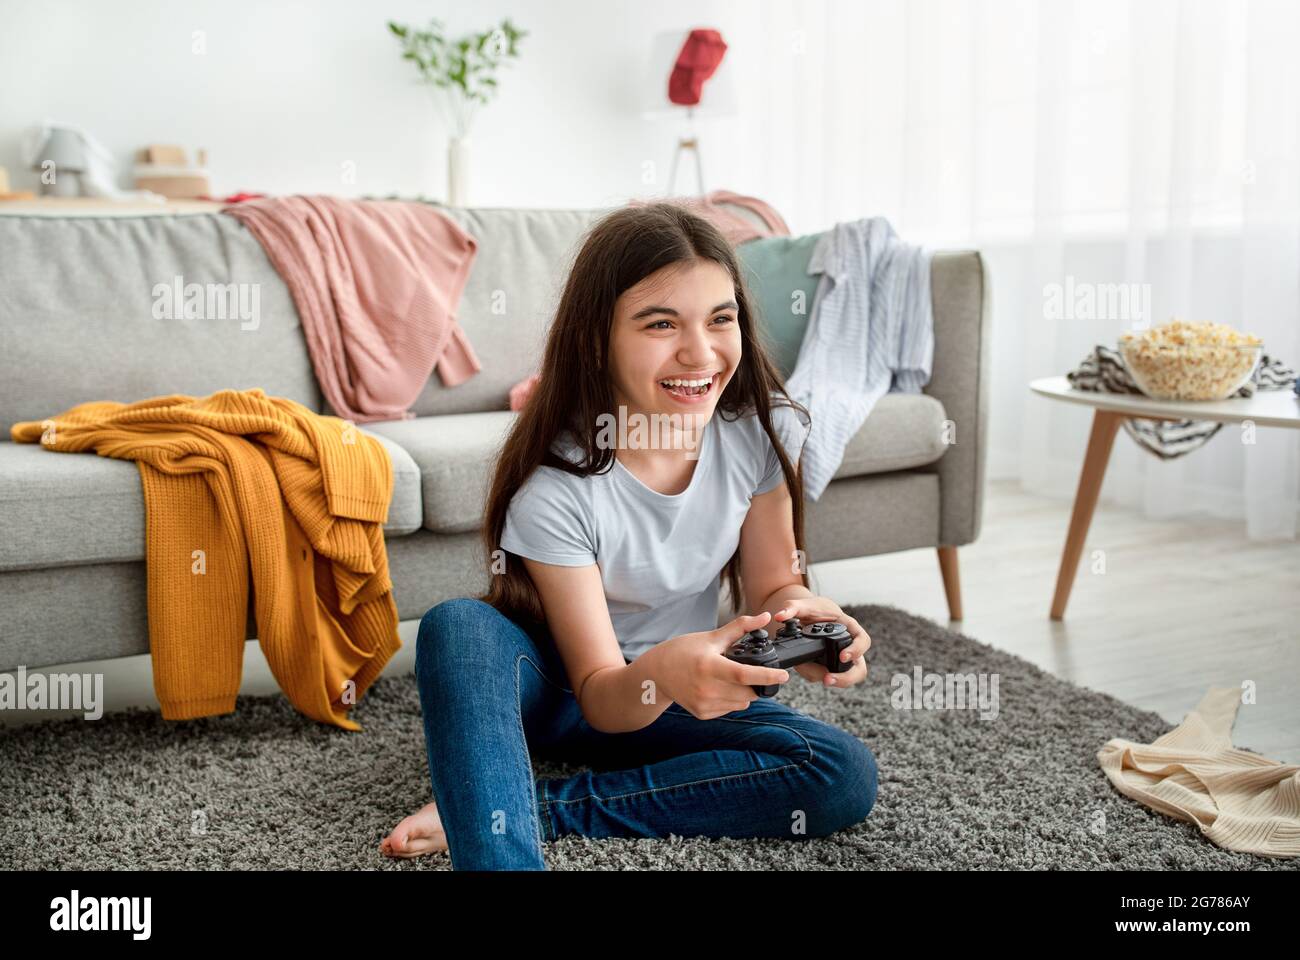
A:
(65, 149)
(717, 98)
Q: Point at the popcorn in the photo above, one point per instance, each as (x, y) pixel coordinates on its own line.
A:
(1180, 360)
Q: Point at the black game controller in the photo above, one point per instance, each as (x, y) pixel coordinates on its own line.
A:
(821, 642)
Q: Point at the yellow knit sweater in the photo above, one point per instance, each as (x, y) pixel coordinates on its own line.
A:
(238, 481)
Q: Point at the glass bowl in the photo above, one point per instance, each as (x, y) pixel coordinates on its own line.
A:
(1189, 371)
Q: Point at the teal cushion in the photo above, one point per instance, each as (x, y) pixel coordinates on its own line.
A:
(776, 272)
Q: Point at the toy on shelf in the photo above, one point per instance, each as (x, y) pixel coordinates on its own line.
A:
(166, 170)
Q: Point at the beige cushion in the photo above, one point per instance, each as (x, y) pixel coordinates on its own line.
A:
(456, 452)
(59, 509)
(904, 430)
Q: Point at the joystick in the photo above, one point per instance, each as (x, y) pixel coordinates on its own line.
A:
(793, 644)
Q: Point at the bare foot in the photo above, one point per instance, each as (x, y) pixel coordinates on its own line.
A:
(419, 834)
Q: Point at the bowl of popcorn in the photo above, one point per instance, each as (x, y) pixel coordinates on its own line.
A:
(1179, 360)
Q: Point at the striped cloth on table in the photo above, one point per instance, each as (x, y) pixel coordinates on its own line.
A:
(1103, 371)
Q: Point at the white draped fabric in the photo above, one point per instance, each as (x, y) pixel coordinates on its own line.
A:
(1080, 146)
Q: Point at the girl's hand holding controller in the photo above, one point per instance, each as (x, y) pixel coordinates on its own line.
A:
(814, 609)
(697, 674)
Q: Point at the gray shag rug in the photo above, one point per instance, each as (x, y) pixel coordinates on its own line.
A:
(266, 788)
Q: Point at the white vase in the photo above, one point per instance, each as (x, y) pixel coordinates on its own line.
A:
(458, 172)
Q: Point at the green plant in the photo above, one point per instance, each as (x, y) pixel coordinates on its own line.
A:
(464, 66)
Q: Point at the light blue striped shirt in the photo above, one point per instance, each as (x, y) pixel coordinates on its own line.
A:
(871, 332)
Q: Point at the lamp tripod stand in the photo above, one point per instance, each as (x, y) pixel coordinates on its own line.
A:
(689, 143)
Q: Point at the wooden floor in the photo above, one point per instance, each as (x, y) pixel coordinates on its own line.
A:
(1180, 606)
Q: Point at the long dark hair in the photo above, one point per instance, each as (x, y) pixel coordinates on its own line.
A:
(622, 249)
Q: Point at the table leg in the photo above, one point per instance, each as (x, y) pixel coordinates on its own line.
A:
(1104, 426)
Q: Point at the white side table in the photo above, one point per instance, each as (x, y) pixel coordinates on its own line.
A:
(1267, 408)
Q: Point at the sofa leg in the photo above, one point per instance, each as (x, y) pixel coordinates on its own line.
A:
(951, 580)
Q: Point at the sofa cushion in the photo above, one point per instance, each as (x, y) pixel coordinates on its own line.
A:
(904, 430)
(58, 509)
(776, 272)
(456, 452)
(88, 312)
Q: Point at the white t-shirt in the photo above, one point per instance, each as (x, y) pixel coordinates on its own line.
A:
(660, 557)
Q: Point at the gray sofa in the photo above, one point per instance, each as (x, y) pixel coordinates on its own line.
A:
(79, 321)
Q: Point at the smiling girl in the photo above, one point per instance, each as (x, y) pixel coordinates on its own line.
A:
(596, 643)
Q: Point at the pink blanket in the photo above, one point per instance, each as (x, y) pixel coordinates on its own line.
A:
(376, 284)
(716, 208)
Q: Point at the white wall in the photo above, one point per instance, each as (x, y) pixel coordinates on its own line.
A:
(947, 116)
(289, 91)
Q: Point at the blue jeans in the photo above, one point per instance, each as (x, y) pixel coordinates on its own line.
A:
(494, 697)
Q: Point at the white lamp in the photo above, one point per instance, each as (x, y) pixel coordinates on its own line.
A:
(61, 162)
(717, 98)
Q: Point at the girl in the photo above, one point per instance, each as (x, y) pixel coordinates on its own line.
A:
(596, 643)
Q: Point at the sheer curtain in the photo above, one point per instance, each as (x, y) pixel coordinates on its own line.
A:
(1104, 142)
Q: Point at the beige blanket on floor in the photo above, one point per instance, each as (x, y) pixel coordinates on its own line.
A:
(1240, 800)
